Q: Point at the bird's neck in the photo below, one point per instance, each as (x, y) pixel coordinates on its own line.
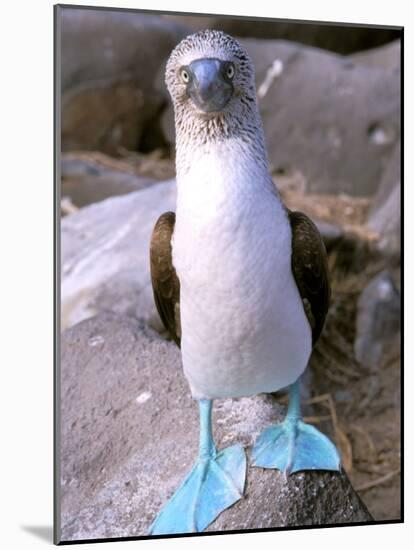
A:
(204, 132)
(221, 174)
(242, 139)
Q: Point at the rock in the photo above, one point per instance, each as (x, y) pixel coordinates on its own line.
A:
(319, 117)
(385, 57)
(107, 114)
(129, 434)
(109, 62)
(97, 44)
(391, 178)
(378, 321)
(386, 221)
(326, 117)
(86, 181)
(385, 213)
(335, 37)
(105, 255)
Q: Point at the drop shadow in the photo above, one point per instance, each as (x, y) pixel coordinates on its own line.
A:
(44, 532)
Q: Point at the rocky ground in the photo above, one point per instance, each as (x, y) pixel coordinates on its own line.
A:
(332, 126)
(130, 435)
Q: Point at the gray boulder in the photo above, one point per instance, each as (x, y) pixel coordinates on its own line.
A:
(109, 61)
(335, 37)
(335, 121)
(386, 222)
(108, 114)
(86, 181)
(378, 321)
(391, 178)
(105, 255)
(129, 434)
(385, 57)
(385, 212)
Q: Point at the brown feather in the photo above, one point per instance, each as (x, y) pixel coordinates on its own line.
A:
(165, 283)
(310, 270)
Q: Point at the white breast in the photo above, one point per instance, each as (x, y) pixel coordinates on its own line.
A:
(244, 330)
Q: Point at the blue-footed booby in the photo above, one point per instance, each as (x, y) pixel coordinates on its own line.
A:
(240, 282)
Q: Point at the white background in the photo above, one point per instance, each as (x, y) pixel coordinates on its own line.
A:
(26, 301)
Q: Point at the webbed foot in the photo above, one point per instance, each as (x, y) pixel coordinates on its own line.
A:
(214, 484)
(293, 446)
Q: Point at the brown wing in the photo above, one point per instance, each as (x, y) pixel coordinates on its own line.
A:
(310, 269)
(165, 283)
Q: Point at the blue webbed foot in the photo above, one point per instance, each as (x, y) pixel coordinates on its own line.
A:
(215, 483)
(293, 446)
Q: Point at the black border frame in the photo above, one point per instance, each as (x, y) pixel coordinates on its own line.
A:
(57, 274)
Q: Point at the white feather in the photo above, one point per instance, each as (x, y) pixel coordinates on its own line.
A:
(244, 329)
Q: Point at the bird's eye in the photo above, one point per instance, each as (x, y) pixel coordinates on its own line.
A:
(185, 76)
(230, 71)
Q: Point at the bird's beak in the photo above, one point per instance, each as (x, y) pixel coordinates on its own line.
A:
(209, 89)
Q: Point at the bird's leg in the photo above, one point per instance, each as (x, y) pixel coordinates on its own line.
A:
(294, 445)
(207, 448)
(215, 483)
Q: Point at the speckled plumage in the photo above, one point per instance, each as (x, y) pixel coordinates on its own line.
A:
(240, 118)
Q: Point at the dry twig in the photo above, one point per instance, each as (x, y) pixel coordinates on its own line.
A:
(378, 481)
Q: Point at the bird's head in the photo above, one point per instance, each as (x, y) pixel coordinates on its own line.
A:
(210, 76)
